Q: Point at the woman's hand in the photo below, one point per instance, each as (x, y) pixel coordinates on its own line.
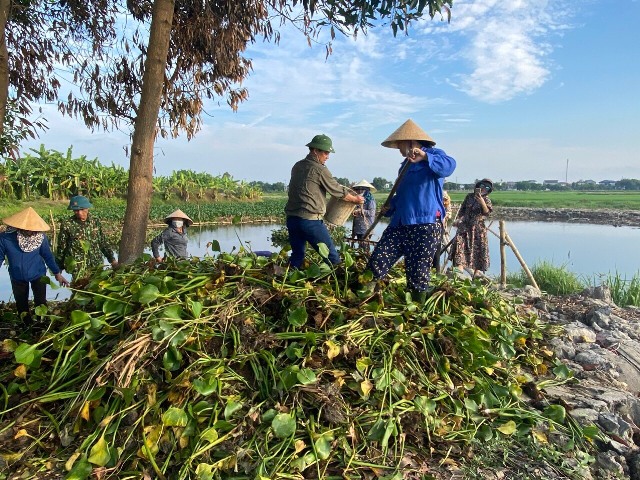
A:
(415, 155)
(61, 280)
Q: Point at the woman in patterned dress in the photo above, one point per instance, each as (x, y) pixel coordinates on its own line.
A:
(471, 246)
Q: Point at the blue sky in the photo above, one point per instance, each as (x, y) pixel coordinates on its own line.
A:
(512, 90)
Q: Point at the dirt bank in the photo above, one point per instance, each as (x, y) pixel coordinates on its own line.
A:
(617, 218)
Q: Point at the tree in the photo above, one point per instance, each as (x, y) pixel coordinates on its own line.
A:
(157, 82)
(381, 183)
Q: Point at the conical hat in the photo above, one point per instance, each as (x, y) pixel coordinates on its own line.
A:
(365, 184)
(178, 214)
(407, 131)
(27, 219)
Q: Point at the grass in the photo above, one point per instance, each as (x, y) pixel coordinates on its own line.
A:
(558, 280)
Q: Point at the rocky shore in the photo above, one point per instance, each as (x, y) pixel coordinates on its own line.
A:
(617, 218)
(600, 343)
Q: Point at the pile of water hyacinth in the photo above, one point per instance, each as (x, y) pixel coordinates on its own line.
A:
(232, 366)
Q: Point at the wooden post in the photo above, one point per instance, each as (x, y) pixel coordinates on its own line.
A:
(509, 242)
(503, 255)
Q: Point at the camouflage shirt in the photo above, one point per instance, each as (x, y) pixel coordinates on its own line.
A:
(84, 243)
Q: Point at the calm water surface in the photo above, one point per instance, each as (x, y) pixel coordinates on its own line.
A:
(587, 250)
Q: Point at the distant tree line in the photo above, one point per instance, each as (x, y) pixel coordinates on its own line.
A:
(530, 185)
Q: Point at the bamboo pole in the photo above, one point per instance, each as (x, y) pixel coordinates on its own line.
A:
(503, 255)
(54, 242)
(527, 272)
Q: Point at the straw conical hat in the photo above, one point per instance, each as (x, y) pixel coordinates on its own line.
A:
(407, 131)
(365, 184)
(178, 214)
(27, 219)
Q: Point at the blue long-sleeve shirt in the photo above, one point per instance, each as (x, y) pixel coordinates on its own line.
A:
(26, 266)
(418, 199)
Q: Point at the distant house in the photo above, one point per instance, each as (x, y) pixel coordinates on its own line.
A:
(585, 182)
(509, 185)
(550, 182)
(608, 183)
(387, 186)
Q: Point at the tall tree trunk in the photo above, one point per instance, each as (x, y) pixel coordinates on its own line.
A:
(5, 8)
(140, 186)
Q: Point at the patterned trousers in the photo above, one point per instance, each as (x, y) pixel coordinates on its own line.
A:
(417, 243)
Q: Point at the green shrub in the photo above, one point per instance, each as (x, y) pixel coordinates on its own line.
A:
(551, 279)
(624, 292)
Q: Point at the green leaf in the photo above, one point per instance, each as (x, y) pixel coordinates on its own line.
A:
(215, 246)
(306, 376)
(204, 471)
(172, 359)
(323, 250)
(209, 435)
(28, 355)
(298, 317)
(231, 408)
(508, 428)
(196, 308)
(556, 413)
(348, 259)
(236, 220)
(175, 417)
(147, 294)
(172, 312)
(562, 372)
(81, 469)
(205, 386)
(99, 454)
(323, 446)
(78, 317)
(283, 425)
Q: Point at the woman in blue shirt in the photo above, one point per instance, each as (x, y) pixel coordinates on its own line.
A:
(28, 254)
(416, 210)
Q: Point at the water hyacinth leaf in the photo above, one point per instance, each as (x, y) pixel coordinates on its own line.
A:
(348, 261)
(323, 446)
(323, 250)
(508, 428)
(231, 408)
(556, 413)
(362, 364)
(539, 436)
(78, 317)
(172, 312)
(175, 417)
(99, 454)
(283, 425)
(562, 371)
(269, 415)
(196, 308)
(333, 350)
(236, 220)
(205, 386)
(172, 359)
(306, 376)
(209, 435)
(214, 245)
(471, 405)
(147, 294)
(81, 469)
(41, 310)
(377, 430)
(366, 386)
(591, 431)
(28, 355)
(204, 471)
(298, 317)
(485, 432)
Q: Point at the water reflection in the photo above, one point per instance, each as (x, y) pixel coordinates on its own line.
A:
(587, 250)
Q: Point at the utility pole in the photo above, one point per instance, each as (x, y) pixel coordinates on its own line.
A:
(566, 173)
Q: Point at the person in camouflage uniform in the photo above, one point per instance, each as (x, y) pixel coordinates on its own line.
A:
(82, 244)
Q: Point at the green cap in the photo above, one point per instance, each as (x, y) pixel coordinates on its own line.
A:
(79, 203)
(321, 142)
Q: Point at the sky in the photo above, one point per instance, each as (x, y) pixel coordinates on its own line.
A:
(517, 90)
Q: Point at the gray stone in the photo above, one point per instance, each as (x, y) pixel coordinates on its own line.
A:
(610, 462)
(585, 416)
(578, 333)
(611, 423)
(600, 319)
(591, 358)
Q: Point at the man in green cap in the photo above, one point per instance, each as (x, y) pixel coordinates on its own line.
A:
(82, 244)
(310, 182)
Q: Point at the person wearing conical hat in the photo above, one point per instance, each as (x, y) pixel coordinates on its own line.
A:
(28, 254)
(82, 245)
(365, 214)
(416, 210)
(174, 237)
(470, 247)
(310, 182)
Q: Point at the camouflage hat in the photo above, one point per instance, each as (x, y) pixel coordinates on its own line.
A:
(178, 214)
(407, 131)
(27, 219)
(79, 203)
(321, 142)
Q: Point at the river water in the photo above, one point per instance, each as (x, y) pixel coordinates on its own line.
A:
(585, 249)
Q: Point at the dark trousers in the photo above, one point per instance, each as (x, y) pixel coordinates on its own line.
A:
(21, 294)
(315, 232)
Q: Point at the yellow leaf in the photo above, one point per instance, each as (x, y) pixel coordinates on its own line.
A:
(86, 411)
(184, 442)
(20, 371)
(300, 445)
(333, 350)
(508, 428)
(366, 387)
(21, 433)
(72, 459)
(539, 436)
